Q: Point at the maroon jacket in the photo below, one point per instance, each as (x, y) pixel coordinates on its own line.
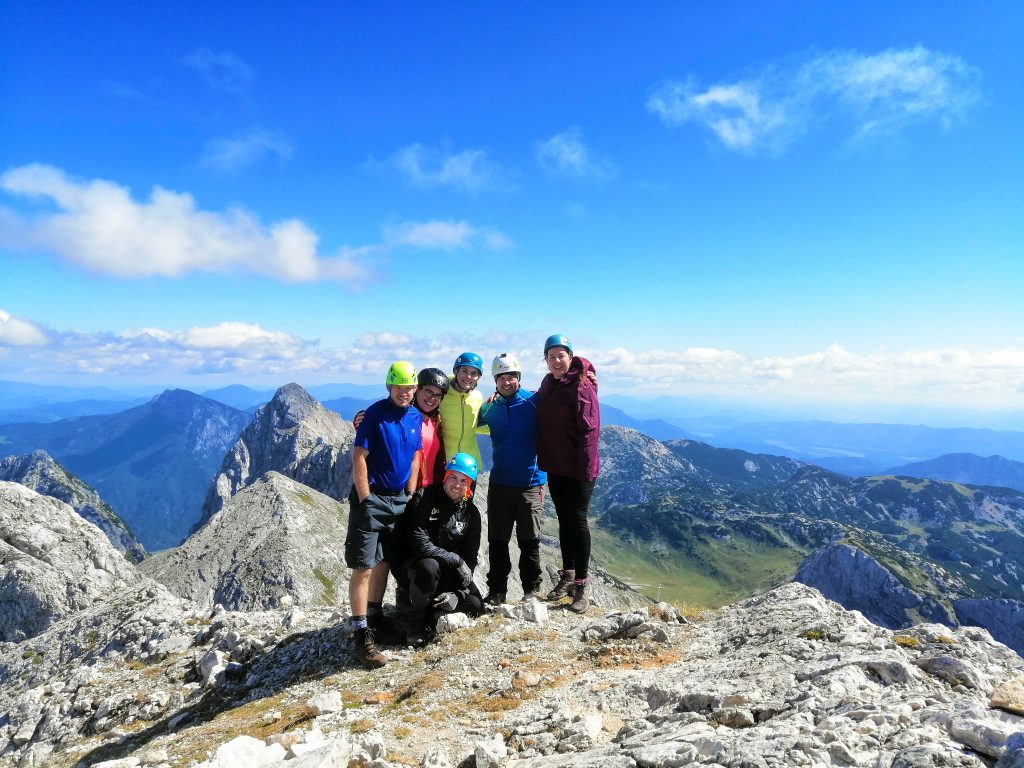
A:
(569, 423)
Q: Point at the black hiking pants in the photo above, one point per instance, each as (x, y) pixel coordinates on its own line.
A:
(509, 507)
(571, 498)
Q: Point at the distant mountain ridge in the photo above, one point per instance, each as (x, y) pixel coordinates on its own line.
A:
(967, 468)
(700, 511)
(152, 463)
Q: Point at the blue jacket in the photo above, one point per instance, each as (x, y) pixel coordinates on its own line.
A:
(513, 425)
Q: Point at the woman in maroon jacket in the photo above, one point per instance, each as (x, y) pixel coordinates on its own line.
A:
(569, 423)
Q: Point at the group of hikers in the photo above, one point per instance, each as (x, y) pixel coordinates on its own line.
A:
(415, 464)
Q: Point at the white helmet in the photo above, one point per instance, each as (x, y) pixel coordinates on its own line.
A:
(505, 363)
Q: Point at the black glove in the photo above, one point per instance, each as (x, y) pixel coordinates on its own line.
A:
(446, 602)
(465, 574)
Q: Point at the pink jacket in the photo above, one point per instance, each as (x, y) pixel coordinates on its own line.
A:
(569, 423)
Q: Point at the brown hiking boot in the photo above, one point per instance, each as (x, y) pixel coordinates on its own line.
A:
(363, 648)
(565, 581)
(384, 631)
(580, 597)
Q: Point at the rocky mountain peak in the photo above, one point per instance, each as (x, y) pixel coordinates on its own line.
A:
(272, 539)
(293, 434)
(40, 472)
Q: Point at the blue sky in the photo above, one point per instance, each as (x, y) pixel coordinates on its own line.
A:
(771, 201)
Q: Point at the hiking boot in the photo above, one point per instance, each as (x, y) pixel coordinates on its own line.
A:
(532, 592)
(494, 599)
(580, 597)
(384, 631)
(364, 649)
(420, 635)
(565, 581)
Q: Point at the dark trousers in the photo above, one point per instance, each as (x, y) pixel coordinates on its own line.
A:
(571, 498)
(509, 507)
(428, 577)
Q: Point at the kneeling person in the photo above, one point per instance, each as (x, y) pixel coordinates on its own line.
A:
(440, 533)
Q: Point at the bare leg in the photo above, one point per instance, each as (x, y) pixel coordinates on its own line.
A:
(358, 589)
(378, 582)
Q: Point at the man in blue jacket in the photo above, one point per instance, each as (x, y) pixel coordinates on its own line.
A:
(515, 493)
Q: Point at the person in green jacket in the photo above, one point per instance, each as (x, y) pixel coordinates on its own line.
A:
(460, 409)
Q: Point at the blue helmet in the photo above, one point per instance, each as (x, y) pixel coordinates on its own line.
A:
(557, 340)
(471, 360)
(464, 463)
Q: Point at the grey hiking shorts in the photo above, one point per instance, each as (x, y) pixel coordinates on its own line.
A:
(371, 524)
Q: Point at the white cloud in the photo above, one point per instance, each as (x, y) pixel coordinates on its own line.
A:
(444, 236)
(99, 226)
(245, 351)
(230, 155)
(18, 332)
(565, 154)
(874, 93)
(225, 70)
(469, 170)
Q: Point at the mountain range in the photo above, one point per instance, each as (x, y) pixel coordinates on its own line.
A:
(153, 463)
(967, 468)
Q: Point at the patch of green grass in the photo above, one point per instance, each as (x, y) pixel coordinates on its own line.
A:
(305, 498)
(906, 641)
(813, 634)
(329, 596)
(715, 574)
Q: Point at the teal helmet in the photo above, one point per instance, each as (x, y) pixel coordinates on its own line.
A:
(470, 360)
(557, 340)
(464, 463)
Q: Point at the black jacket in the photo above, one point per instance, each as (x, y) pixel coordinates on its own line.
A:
(435, 526)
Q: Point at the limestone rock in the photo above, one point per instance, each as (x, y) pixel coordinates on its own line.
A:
(295, 435)
(41, 473)
(1009, 696)
(52, 562)
(275, 539)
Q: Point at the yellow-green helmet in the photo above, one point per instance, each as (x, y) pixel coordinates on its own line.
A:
(401, 374)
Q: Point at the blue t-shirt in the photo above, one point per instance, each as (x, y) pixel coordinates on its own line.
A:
(392, 435)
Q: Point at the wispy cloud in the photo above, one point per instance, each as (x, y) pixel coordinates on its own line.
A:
(936, 376)
(99, 226)
(18, 332)
(445, 236)
(228, 155)
(873, 93)
(224, 71)
(565, 154)
(469, 170)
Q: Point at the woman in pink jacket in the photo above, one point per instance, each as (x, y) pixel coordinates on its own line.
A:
(569, 424)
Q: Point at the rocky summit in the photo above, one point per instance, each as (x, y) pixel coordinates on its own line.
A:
(787, 678)
(52, 562)
(273, 538)
(38, 471)
(292, 434)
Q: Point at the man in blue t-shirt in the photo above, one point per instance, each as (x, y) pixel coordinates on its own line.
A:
(385, 465)
(514, 495)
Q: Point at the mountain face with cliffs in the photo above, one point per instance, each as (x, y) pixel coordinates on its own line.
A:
(295, 435)
(41, 473)
(53, 563)
(152, 463)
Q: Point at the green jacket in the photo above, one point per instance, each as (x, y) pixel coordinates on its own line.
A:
(460, 413)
